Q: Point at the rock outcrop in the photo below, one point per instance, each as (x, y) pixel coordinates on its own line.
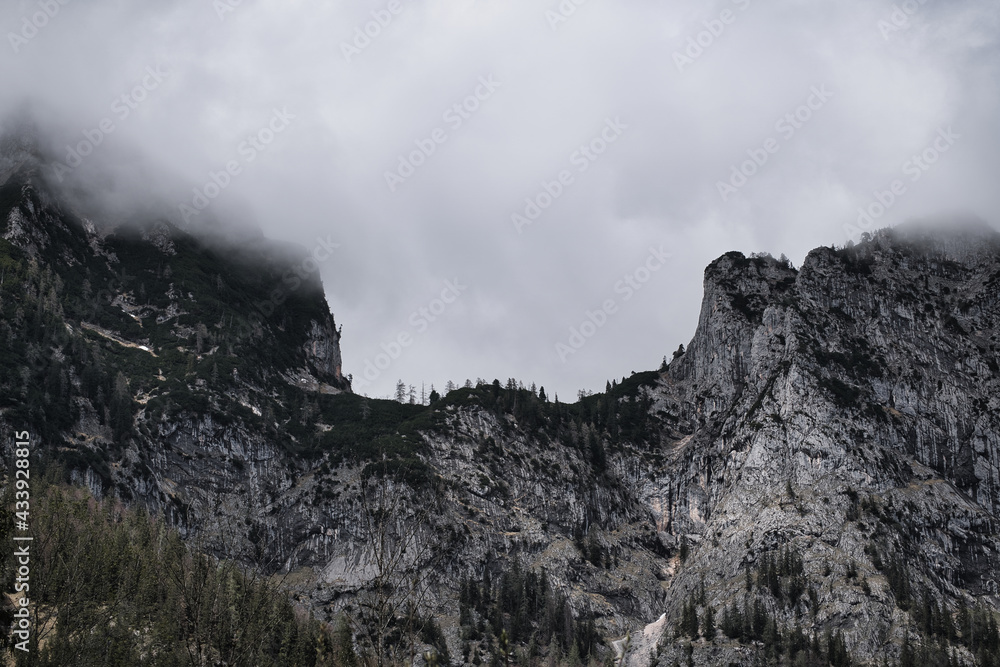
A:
(822, 461)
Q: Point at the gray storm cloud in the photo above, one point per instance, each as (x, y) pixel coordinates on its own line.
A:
(467, 143)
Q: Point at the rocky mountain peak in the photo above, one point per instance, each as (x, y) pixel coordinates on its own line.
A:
(869, 373)
(821, 461)
(737, 292)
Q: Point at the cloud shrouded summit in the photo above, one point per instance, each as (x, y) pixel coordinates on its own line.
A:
(503, 182)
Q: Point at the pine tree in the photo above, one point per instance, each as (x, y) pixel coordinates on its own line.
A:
(680, 625)
(573, 659)
(692, 619)
(947, 624)
(400, 392)
(708, 623)
(344, 645)
(906, 657)
(772, 639)
(758, 620)
(732, 622)
(598, 457)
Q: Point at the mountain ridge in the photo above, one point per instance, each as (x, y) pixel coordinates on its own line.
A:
(820, 460)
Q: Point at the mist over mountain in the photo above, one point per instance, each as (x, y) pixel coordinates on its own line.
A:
(450, 332)
(112, 184)
(811, 479)
(185, 84)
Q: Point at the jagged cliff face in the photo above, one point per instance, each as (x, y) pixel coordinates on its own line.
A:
(846, 411)
(870, 374)
(155, 364)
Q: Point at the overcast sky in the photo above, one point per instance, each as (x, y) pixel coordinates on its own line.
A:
(621, 121)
